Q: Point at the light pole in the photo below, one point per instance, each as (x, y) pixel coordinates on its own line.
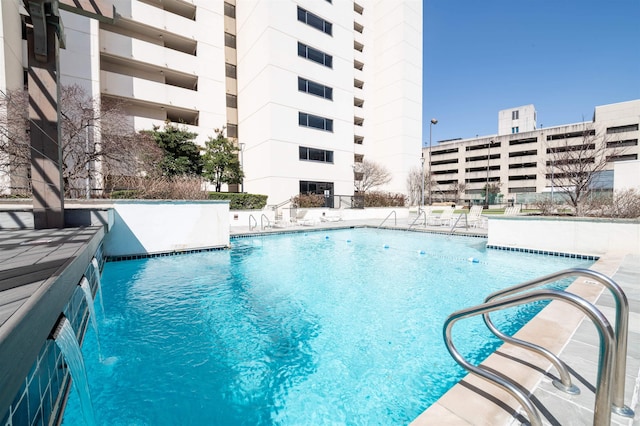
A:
(433, 121)
(242, 166)
(422, 175)
(486, 189)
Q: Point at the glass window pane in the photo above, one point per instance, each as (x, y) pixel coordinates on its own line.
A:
(315, 121)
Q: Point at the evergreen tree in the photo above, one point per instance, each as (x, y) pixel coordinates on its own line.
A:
(220, 161)
(181, 154)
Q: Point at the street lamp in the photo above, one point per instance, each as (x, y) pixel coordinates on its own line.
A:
(433, 121)
(242, 166)
(486, 189)
(422, 175)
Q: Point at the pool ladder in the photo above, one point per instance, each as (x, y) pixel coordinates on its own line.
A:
(609, 393)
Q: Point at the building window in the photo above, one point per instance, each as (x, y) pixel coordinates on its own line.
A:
(515, 115)
(229, 40)
(621, 129)
(314, 20)
(620, 144)
(314, 121)
(230, 71)
(232, 101)
(314, 88)
(313, 154)
(229, 10)
(515, 129)
(614, 158)
(232, 130)
(315, 55)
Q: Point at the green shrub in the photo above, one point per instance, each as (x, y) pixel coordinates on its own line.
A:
(241, 201)
(383, 199)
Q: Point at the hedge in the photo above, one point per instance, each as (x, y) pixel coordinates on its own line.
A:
(241, 201)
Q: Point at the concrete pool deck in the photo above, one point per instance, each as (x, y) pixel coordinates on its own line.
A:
(472, 401)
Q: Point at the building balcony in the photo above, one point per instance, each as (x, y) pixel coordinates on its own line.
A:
(154, 17)
(137, 51)
(147, 91)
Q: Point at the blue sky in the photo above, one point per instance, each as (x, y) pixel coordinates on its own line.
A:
(563, 56)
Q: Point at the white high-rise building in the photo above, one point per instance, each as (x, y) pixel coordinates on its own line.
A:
(308, 87)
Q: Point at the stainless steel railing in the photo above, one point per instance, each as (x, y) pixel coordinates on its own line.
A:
(606, 356)
(395, 217)
(621, 331)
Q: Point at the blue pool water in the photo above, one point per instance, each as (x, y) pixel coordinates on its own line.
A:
(340, 327)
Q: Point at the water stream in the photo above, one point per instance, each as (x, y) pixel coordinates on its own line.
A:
(86, 288)
(65, 339)
(96, 273)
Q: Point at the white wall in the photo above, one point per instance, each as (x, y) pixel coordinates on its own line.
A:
(626, 175)
(145, 227)
(576, 235)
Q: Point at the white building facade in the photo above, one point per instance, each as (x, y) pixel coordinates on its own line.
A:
(308, 88)
(518, 158)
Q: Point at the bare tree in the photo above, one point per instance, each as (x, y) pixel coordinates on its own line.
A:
(371, 175)
(414, 186)
(573, 168)
(97, 138)
(15, 146)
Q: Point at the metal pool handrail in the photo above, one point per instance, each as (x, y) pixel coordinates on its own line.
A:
(621, 331)
(255, 222)
(420, 213)
(264, 216)
(395, 217)
(602, 411)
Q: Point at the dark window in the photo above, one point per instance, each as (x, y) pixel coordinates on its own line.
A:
(614, 158)
(315, 121)
(315, 55)
(229, 10)
(515, 114)
(569, 148)
(314, 20)
(314, 88)
(481, 158)
(522, 165)
(232, 130)
(444, 151)
(229, 40)
(571, 135)
(230, 71)
(445, 172)
(620, 144)
(232, 101)
(484, 146)
(481, 169)
(523, 153)
(522, 177)
(521, 141)
(313, 154)
(437, 163)
(620, 129)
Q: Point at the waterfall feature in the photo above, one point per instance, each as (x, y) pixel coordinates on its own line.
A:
(86, 288)
(96, 274)
(65, 339)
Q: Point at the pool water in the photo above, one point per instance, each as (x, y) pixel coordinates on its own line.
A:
(340, 327)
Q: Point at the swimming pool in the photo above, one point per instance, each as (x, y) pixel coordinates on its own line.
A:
(340, 327)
